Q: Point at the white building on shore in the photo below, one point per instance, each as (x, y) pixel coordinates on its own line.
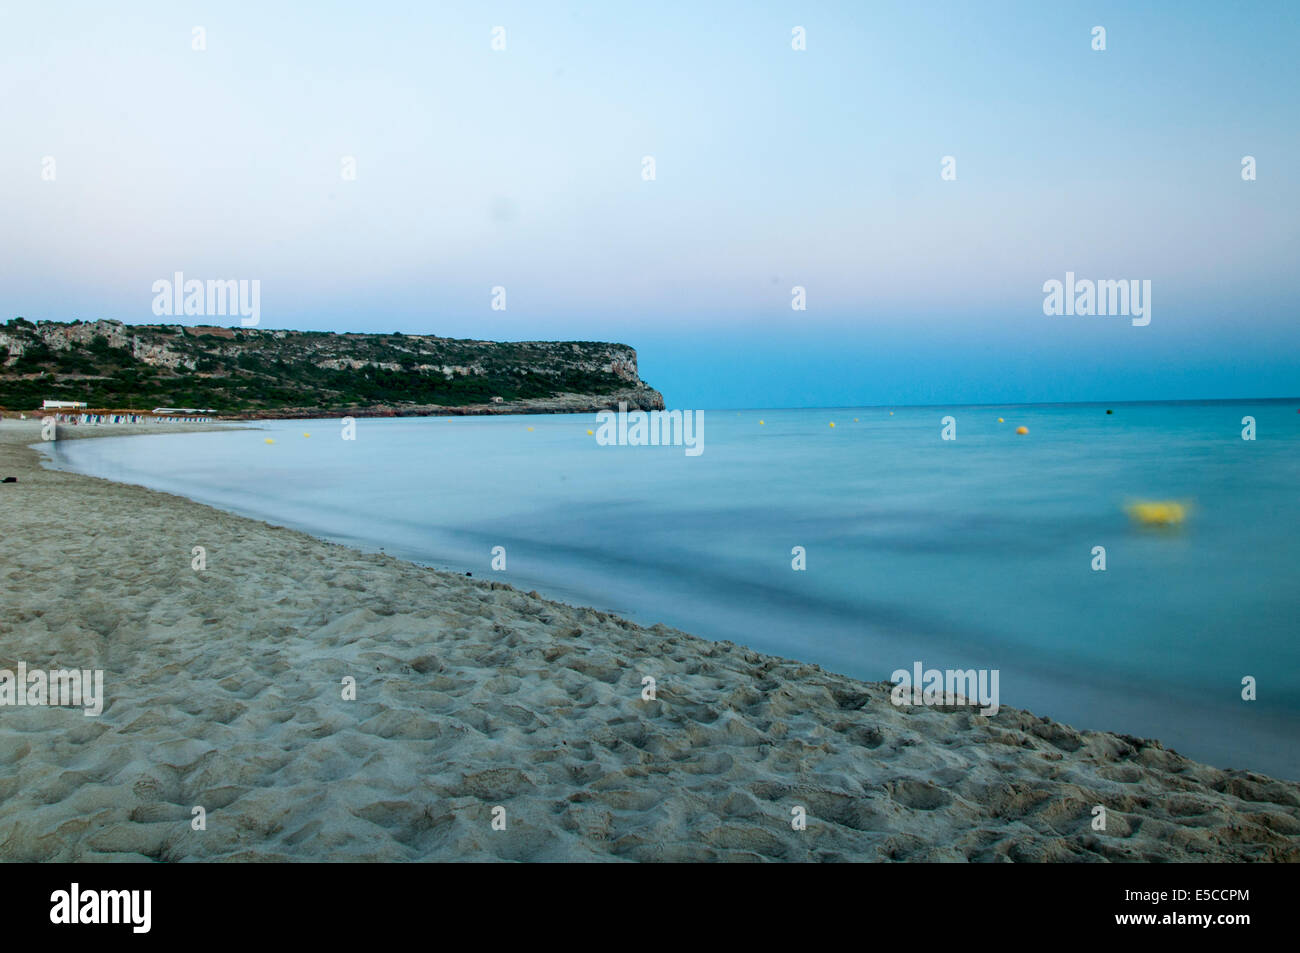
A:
(77, 412)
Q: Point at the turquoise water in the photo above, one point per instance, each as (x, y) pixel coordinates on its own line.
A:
(972, 553)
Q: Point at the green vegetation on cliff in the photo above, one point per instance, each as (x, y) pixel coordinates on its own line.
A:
(254, 371)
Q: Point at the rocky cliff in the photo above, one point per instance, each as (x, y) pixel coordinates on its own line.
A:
(245, 372)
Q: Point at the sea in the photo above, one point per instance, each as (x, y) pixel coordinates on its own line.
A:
(863, 539)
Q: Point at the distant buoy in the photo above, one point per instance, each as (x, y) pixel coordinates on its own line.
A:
(855, 420)
(306, 435)
(1022, 430)
(832, 423)
(590, 432)
(891, 413)
(762, 423)
(268, 440)
(1109, 411)
(530, 428)
(1001, 421)
(1158, 513)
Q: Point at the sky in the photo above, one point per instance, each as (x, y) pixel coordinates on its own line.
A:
(774, 167)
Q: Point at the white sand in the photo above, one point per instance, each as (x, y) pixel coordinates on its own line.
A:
(224, 692)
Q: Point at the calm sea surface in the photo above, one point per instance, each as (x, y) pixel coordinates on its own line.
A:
(973, 553)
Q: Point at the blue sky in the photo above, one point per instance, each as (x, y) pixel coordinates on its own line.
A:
(774, 168)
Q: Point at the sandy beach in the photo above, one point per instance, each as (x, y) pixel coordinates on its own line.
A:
(224, 690)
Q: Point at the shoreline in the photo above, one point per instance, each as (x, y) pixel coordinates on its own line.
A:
(222, 692)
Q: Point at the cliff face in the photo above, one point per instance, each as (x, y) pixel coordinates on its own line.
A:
(243, 372)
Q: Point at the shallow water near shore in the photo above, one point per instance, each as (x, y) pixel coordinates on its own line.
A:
(972, 553)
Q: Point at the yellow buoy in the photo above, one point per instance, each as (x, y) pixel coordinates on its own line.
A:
(832, 423)
(1022, 430)
(1157, 513)
(530, 428)
(891, 413)
(1001, 421)
(590, 432)
(306, 435)
(268, 440)
(855, 420)
(762, 423)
